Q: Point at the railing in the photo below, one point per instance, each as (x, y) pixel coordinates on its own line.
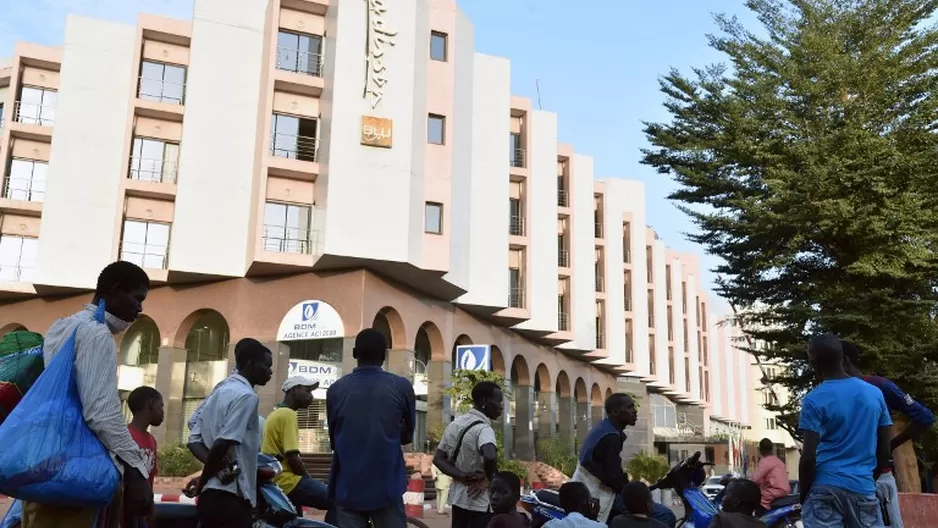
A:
(600, 284)
(651, 321)
(153, 170)
(598, 229)
(628, 349)
(298, 61)
(516, 225)
(282, 239)
(518, 158)
(600, 341)
(563, 258)
(670, 330)
(25, 189)
(17, 273)
(563, 198)
(628, 301)
(516, 298)
(161, 91)
(563, 322)
(34, 114)
(626, 253)
(303, 148)
(147, 256)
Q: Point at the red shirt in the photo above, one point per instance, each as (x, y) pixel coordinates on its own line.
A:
(148, 444)
(772, 478)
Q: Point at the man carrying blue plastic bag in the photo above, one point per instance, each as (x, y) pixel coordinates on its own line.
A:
(122, 287)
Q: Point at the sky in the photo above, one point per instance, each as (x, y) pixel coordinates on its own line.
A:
(597, 63)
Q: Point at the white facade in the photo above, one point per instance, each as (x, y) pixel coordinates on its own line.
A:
(662, 369)
(583, 280)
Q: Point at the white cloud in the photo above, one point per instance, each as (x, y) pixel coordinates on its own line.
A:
(43, 21)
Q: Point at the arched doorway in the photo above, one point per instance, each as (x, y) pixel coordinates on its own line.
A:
(138, 359)
(427, 334)
(388, 321)
(462, 340)
(520, 409)
(206, 361)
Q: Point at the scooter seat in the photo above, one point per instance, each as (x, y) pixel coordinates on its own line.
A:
(787, 500)
(550, 497)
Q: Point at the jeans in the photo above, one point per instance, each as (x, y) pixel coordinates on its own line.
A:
(830, 507)
(312, 493)
(392, 517)
(888, 493)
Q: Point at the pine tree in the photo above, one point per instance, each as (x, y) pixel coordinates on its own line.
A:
(809, 164)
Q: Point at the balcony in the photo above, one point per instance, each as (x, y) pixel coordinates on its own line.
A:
(563, 258)
(161, 91)
(628, 349)
(598, 229)
(147, 256)
(600, 341)
(516, 297)
(563, 322)
(516, 225)
(153, 170)
(563, 198)
(34, 114)
(518, 159)
(600, 284)
(283, 239)
(297, 61)
(302, 148)
(24, 189)
(626, 254)
(628, 301)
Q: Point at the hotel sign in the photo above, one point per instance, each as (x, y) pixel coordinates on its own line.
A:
(377, 132)
(380, 37)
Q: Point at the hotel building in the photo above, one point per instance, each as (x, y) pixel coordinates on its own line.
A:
(297, 170)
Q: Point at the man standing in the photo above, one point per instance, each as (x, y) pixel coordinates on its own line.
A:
(372, 414)
(920, 420)
(847, 430)
(122, 287)
(226, 424)
(771, 476)
(600, 464)
(468, 453)
(281, 438)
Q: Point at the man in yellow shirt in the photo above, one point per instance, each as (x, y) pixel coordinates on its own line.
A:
(282, 439)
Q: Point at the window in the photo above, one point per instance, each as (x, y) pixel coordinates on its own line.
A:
(294, 137)
(26, 180)
(628, 341)
(664, 412)
(516, 288)
(287, 228)
(438, 46)
(146, 244)
(670, 324)
(37, 106)
(299, 53)
(154, 160)
(1, 115)
(667, 282)
(671, 375)
(436, 129)
(433, 221)
(652, 357)
(517, 151)
(17, 258)
(515, 217)
(163, 83)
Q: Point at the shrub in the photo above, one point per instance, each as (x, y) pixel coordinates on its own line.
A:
(514, 466)
(175, 460)
(650, 468)
(555, 451)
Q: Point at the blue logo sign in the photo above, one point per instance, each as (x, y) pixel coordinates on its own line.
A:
(474, 357)
(310, 311)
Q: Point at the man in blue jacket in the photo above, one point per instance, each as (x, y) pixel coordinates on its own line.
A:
(921, 419)
(600, 463)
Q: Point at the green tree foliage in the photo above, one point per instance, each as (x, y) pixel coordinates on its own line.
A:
(464, 380)
(809, 164)
(175, 460)
(556, 451)
(650, 468)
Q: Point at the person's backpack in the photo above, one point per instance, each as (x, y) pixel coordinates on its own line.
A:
(20, 365)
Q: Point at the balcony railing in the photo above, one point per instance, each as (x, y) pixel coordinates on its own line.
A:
(626, 253)
(147, 256)
(628, 349)
(563, 198)
(24, 189)
(563, 322)
(282, 239)
(161, 91)
(303, 148)
(563, 258)
(516, 225)
(298, 61)
(598, 229)
(516, 298)
(34, 114)
(518, 158)
(600, 284)
(600, 341)
(628, 301)
(17, 273)
(153, 170)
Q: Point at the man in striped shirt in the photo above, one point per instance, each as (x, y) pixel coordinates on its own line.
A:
(122, 287)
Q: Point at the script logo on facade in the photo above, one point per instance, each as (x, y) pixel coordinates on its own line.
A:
(377, 132)
(473, 357)
(380, 38)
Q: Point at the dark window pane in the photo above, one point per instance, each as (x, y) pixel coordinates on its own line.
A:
(436, 129)
(438, 46)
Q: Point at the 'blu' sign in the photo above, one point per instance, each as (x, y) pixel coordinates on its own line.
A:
(474, 357)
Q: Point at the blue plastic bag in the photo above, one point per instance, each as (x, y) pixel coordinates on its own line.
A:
(49, 455)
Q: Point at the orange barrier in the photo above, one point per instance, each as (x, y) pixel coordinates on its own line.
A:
(414, 496)
(919, 510)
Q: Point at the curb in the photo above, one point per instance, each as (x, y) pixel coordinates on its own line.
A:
(160, 498)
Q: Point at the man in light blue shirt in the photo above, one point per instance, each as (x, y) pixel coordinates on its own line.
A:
(847, 431)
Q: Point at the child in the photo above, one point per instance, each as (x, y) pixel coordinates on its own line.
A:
(146, 405)
(505, 492)
(741, 500)
(582, 509)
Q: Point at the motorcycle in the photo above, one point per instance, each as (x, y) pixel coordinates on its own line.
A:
(274, 509)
